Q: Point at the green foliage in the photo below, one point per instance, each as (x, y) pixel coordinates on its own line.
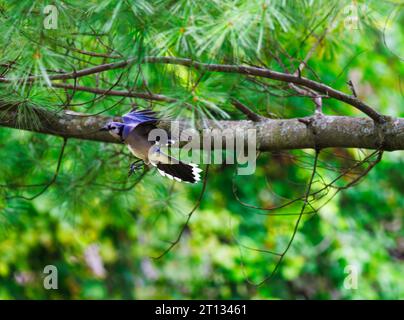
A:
(93, 213)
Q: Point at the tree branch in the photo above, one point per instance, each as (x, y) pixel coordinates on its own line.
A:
(118, 93)
(247, 111)
(224, 68)
(324, 132)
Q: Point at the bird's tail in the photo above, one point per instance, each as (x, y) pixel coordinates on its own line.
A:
(180, 171)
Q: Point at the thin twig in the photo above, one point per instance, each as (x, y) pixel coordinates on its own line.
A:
(59, 163)
(247, 111)
(189, 216)
(119, 93)
(305, 203)
(352, 87)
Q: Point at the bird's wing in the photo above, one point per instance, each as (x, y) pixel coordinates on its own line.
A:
(136, 117)
(127, 129)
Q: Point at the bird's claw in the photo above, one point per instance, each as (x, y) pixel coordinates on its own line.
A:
(133, 167)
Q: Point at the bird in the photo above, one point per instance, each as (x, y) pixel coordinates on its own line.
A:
(134, 132)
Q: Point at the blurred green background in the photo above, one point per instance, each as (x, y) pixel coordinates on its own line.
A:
(101, 230)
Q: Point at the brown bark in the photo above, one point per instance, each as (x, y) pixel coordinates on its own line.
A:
(224, 68)
(272, 135)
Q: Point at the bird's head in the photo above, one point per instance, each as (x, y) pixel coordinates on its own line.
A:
(115, 129)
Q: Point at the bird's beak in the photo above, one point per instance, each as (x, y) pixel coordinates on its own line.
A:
(104, 128)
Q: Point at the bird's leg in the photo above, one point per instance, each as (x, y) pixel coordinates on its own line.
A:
(134, 166)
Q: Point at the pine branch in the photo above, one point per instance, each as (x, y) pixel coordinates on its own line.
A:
(247, 111)
(323, 132)
(119, 93)
(224, 68)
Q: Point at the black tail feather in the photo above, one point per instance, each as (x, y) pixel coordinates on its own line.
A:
(180, 171)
